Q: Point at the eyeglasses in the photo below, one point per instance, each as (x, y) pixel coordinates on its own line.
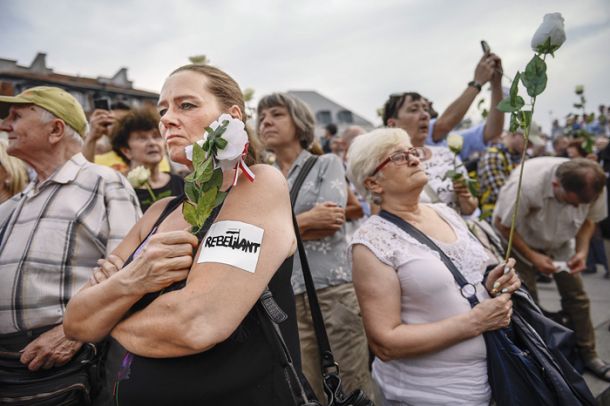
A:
(401, 158)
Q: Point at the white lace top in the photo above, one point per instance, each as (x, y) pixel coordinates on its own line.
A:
(436, 167)
(429, 293)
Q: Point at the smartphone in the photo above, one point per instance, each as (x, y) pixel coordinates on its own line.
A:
(485, 47)
(102, 103)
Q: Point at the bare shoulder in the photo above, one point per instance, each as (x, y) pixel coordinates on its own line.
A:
(268, 184)
(266, 197)
(269, 175)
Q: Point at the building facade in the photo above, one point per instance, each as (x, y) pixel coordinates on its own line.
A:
(15, 78)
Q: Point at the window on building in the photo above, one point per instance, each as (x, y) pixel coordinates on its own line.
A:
(345, 117)
(324, 117)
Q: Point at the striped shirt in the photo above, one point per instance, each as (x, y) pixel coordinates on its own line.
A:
(51, 236)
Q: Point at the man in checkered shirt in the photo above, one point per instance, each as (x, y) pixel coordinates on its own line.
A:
(52, 234)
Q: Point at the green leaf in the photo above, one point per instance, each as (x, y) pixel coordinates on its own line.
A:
(547, 48)
(190, 177)
(526, 118)
(199, 168)
(206, 200)
(473, 187)
(190, 214)
(479, 103)
(215, 181)
(578, 105)
(206, 145)
(191, 191)
(205, 205)
(220, 197)
(534, 78)
(507, 106)
(587, 145)
(198, 153)
(207, 168)
(514, 90)
(514, 122)
(221, 143)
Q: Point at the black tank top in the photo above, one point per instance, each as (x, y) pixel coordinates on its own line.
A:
(243, 370)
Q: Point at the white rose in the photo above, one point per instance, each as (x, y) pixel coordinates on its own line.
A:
(551, 27)
(579, 89)
(236, 137)
(138, 176)
(455, 142)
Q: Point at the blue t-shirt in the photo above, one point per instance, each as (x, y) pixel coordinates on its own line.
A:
(473, 139)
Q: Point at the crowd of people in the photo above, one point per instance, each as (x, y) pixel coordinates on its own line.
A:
(99, 273)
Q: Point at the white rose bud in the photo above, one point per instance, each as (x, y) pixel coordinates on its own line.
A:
(138, 176)
(551, 27)
(580, 89)
(455, 142)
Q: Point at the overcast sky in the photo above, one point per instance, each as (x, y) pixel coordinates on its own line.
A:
(354, 52)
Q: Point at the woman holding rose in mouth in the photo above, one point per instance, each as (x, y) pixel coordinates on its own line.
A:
(196, 337)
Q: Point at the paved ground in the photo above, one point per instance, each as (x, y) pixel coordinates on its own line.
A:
(598, 289)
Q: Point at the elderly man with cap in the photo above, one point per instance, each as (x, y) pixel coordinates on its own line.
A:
(51, 236)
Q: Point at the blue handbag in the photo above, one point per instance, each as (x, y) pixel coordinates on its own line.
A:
(525, 364)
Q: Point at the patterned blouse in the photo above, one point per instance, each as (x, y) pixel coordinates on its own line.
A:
(327, 256)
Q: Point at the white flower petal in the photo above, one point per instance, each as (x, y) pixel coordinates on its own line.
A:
(552, 27)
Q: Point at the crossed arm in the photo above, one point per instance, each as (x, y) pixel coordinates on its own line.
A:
(216, 296)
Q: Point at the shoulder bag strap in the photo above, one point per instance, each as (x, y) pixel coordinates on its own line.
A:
(270, 306)
(326, 356)
(467, 289)
(298, 182)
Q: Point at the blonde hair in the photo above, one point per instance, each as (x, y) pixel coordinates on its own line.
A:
(227, 93)
(368, 150)
(15, 168)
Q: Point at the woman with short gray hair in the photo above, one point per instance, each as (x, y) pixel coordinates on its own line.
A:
(286, 127)
(421, 329)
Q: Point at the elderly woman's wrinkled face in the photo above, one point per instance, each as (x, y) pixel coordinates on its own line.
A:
(400, 171)
(276, 128)
(413, 117)
(186, 108)
(145, 147)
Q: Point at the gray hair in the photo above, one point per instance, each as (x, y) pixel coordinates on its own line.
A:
(299, 112)
(368, 150)
(70, 133)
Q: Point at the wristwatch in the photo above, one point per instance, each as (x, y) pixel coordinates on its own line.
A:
(477, 85)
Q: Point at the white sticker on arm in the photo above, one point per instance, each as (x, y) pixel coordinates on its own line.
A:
(232, 243)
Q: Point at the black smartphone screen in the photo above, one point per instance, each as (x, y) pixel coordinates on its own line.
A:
(103, 103)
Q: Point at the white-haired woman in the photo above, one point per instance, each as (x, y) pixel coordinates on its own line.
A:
(426, 338)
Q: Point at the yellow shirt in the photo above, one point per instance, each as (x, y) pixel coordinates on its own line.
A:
(114, 161)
